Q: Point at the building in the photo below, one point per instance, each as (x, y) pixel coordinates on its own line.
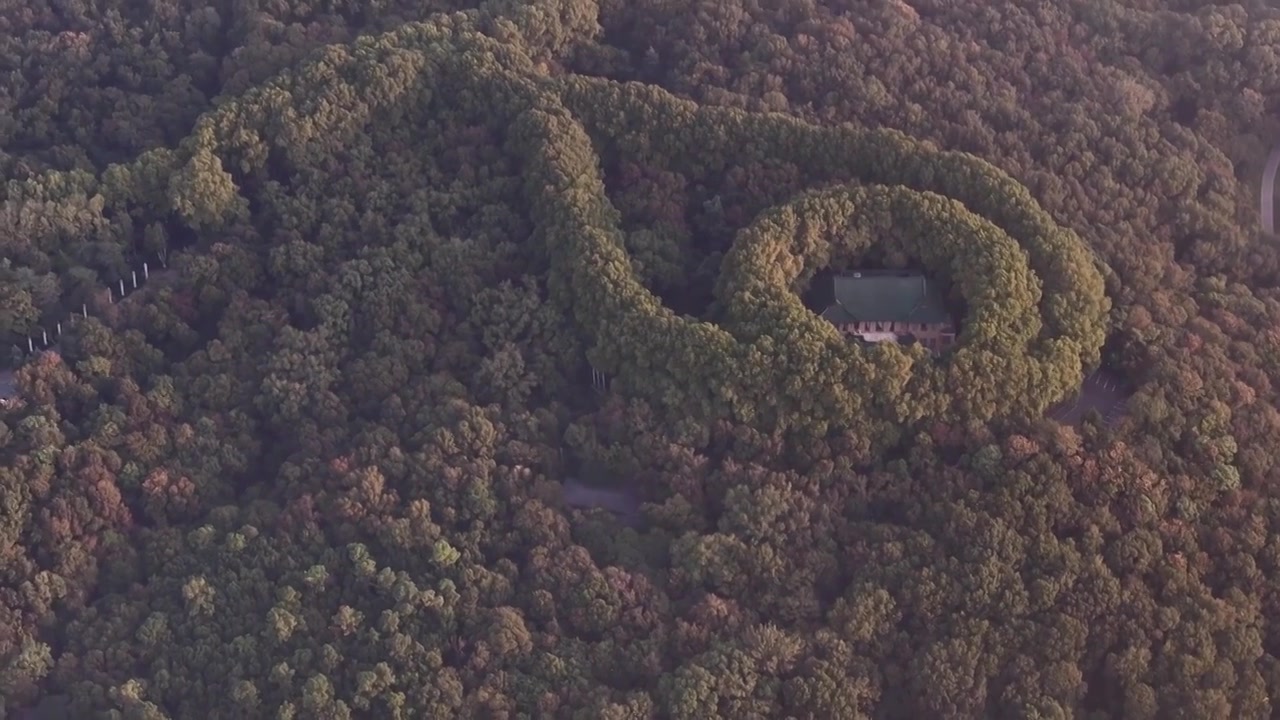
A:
(890, 306)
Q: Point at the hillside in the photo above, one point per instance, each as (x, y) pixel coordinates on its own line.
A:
(469, 374)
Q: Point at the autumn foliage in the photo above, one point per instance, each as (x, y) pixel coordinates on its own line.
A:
(318, 469)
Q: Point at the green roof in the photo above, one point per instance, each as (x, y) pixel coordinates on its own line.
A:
(886, 297)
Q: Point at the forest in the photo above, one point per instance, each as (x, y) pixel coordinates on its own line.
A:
(447, 359)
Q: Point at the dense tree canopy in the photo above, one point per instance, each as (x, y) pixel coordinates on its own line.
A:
(427, 278)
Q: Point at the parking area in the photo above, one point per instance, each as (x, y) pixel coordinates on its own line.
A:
(8, 386)
(1103, 391)
(623, 504)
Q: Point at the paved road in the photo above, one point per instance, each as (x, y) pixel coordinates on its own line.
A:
(1268, 199)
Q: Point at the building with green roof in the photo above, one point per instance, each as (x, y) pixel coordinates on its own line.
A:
(890, 306)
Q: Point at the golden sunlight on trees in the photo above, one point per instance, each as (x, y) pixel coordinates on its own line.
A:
(474, 374)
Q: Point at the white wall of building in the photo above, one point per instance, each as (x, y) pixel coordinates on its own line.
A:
(876, 337)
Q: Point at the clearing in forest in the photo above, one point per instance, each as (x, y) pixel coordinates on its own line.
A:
(1103, 391)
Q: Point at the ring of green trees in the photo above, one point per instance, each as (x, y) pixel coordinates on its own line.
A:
(1037, 308)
